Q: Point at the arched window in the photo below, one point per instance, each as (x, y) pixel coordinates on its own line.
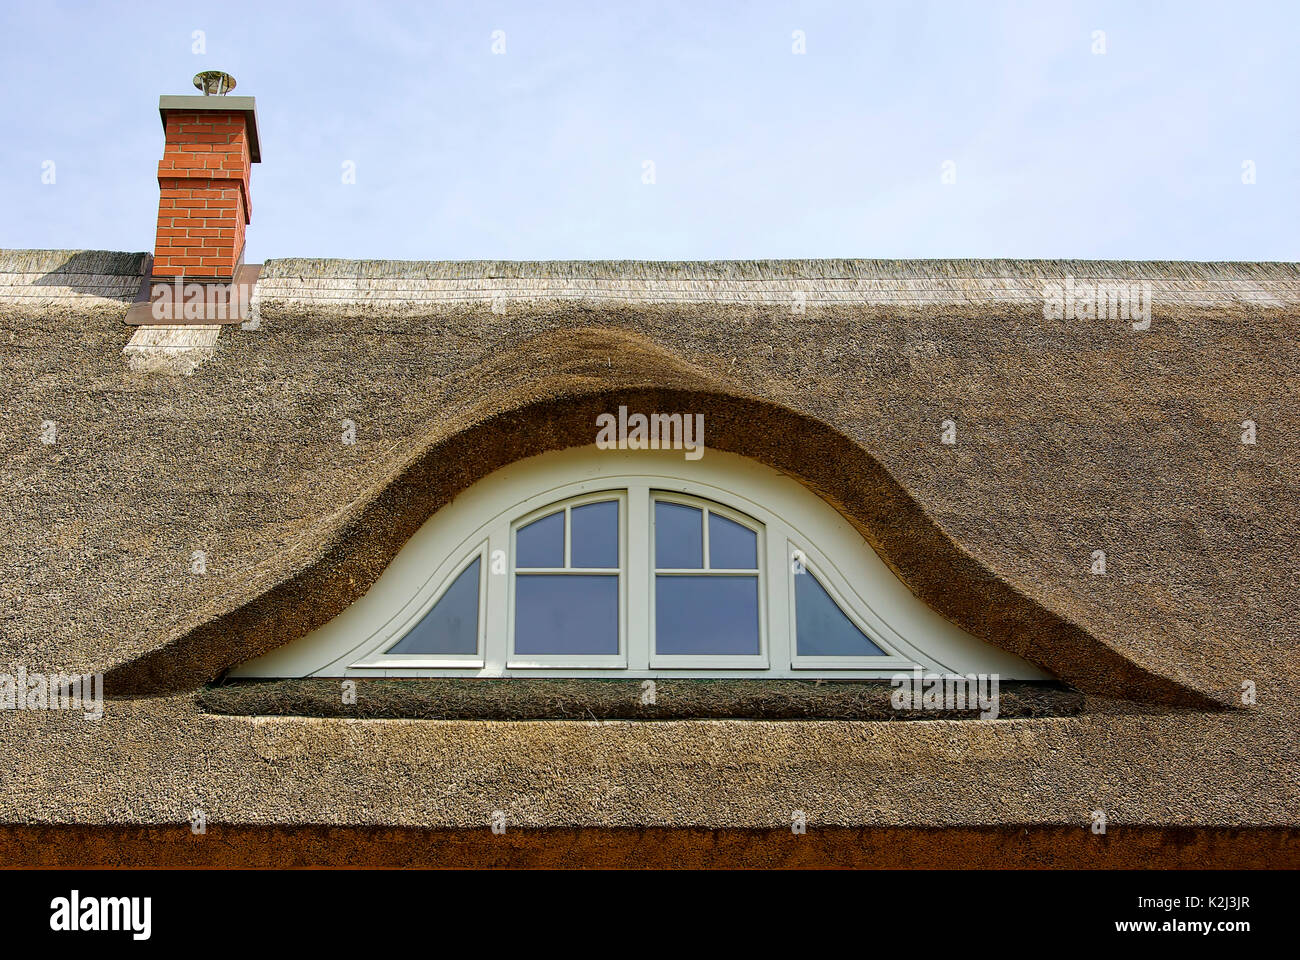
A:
(621, 563)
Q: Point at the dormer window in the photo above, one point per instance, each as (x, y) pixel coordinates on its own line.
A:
(636, 564)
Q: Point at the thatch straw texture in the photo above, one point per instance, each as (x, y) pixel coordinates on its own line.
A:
(1072, 436)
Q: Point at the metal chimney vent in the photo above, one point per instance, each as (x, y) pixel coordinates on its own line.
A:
(214, 83)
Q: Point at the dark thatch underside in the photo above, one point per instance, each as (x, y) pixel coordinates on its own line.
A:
(547, 699)
(655, 848)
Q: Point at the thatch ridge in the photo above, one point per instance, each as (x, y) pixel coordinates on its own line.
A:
(755, 270)
(72, 277)
(87, 262)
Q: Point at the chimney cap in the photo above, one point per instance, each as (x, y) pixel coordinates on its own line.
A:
(192, 104)
(214, 83)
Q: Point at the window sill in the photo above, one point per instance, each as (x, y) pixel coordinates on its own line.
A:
(602, 699)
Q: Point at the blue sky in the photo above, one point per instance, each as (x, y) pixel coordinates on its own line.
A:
(540, 152)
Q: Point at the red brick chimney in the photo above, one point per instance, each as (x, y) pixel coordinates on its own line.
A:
(203, 209)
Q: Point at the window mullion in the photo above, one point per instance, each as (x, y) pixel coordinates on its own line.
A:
(639, 574)
(495, 639)
(568, 537)
(778, 591)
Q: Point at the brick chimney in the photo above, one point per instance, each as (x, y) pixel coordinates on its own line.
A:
(203, 207)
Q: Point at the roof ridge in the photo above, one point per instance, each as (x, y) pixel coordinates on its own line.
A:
(116, 263)
(760, 270)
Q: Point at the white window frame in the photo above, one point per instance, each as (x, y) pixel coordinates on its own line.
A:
(759, 661)
(517, 661)
(424, 601)
(482, 522)
(806, 557)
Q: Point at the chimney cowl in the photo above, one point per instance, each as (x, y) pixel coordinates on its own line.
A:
(214, 83)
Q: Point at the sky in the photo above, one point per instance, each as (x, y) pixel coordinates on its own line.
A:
(676, 131)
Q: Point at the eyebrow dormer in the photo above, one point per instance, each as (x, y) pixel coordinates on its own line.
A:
(600, 563)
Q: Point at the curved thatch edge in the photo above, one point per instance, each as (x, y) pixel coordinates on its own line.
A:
(357, 543)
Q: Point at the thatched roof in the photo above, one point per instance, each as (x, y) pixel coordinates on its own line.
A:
(1073, 436)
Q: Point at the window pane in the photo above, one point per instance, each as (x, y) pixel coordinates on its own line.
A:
(679, 536)
(823, 629)
(731, 546)
(706, 615)
(593, 528)
(566, 614)
(452, 625)
(541, 543)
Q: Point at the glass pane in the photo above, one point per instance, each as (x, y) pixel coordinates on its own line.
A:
(822, 628)
(679, 536)
(452, 625)
(566, 614)
(593, 528)
(706, 615)
(731, 546)
(541, 543)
